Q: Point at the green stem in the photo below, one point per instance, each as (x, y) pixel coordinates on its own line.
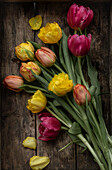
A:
(80, 30)
(49, 110)
(80, 136)
(64, 128)
(33, 87)
(91, 135)
(80, 71)
(58, 68)
(95, 121)
(76, 110)
(75, 32)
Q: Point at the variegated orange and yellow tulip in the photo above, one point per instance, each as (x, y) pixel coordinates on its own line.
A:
(26, 68)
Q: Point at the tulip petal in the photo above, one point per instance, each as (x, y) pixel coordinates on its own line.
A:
(44, 115)
(35, 22)
(51, 123)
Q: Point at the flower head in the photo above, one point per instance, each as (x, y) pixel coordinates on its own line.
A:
(39, 162)
(26, 68)
(79, 94)
(79, 16)
(35, 22)
(37, 102)
(60, 84)
(30, 142)
(51, 33)
(25, 51)
(46, 57)
(49, 128)
(13, 82)
(79, 45)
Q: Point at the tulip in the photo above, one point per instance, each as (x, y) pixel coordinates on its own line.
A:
(49, 127)
(46, 57)
(79, 45)
(25, 51)
(60, 84)
(13, 82)
(26, 68)
(79, 93)
(79, 16)
(37, 102)
(39, 162)
(30, 142)
(51, 33)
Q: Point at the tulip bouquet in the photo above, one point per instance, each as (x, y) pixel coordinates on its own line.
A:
(59, 87)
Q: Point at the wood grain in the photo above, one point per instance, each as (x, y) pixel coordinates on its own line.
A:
(110, 64)
(17, 122)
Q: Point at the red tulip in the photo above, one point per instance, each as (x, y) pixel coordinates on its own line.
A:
(46, 57)
(79, 45)
(13, 82)
(49, 127)
(79, 16)
(79, 94)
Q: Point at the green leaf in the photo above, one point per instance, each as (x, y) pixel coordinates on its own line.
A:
(76, 140)
(30, 54)
(93, 75)
(36, 46)
(75, 129)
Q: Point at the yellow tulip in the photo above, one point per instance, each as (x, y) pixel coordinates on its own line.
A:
(25, 51)
(60, 84)
(37, 102)
(35, 22)
(26, 68)
(39, 162)
(30, 142)
(51, 33)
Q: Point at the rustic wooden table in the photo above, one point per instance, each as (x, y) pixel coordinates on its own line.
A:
(16, 122)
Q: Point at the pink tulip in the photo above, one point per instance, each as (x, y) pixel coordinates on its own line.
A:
(79, 45)
(49, 127)
(79, 16)
(79, 94)
(13, 82)
(46, 57)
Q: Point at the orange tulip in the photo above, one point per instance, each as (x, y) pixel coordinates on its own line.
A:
(13, 82)
(79, 93)
(26, 68)
(46, 57)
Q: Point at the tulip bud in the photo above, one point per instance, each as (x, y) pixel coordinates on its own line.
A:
(26, 68)
(79, 16)
(30, 142)
(37, 102)
(39, 162)
(49, 128)
(79, 45)
(13, 82)
(79, 93)
(46, 57)
(25, 51)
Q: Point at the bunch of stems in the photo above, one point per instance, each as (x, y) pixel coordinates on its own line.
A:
(87, 127)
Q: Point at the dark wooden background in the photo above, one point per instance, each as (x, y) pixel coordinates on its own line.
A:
(16, 122)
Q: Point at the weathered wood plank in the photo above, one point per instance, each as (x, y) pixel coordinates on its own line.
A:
(99, 28)
(17, 122)
(55, 0)
(110, 64)
(66, 159)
